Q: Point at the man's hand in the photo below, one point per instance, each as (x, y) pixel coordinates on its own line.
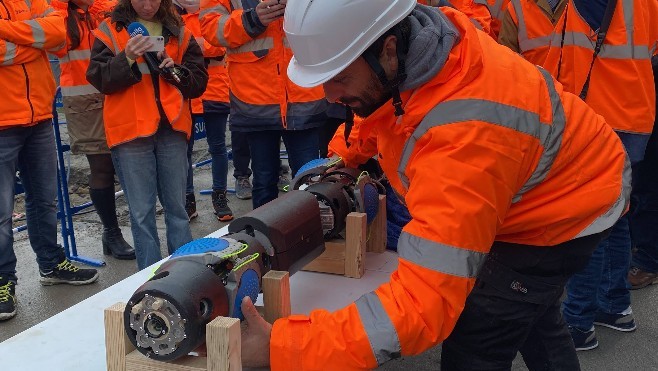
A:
(269, 10)
(335, 164)
(255, 337)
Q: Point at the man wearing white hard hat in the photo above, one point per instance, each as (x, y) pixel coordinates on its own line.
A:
(511, 183)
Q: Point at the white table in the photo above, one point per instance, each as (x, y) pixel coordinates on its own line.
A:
(75, 338)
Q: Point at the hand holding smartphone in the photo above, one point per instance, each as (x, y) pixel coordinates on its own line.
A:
(157, 43)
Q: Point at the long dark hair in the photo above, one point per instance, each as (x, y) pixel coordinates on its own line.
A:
(124, 14)
(72, 25)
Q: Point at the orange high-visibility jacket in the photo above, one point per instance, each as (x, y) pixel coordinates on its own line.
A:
(490, 149)
(217, 90)
(73, 63)
(496, 8)
(527, 27)
(27, 30)
(477, 11)
(621, 84)
(262, 96)
(359, 150)
(126, 116)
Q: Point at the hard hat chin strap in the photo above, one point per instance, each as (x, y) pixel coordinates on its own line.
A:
(399, 78)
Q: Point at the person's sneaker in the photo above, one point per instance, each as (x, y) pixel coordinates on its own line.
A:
(584, 339)
(220, 204)
(7, 299)
(66, 272)
(639, 278)
(190, 206)
(242, 188)
(284, 183)
(620, 322)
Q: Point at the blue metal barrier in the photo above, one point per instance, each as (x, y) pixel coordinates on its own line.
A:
(66, 211)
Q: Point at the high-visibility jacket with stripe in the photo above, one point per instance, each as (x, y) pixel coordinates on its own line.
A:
(73, 63)
(496, 8)
(261, 95)
(217, 90)
(620, 86)
(28, 28)
(126, 116)
(477, 11)
(490, 149)
(359, 149)
(527, 27)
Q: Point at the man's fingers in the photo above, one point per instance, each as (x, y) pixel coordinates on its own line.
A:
(249, 311)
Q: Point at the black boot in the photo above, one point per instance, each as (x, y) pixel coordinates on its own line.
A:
(113, 242)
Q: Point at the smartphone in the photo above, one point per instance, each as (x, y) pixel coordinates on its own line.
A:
(158, 43)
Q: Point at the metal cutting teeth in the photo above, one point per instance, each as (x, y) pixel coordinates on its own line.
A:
(164, 313)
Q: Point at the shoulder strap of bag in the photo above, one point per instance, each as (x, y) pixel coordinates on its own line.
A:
(603, 30)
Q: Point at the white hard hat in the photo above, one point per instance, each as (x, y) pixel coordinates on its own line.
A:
(326, 36)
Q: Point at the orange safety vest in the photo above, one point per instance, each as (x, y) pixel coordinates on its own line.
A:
(27, 30)
(477, 160)
(73, 64)
(621, 87)
(535, 29)
(496, 8)
(126, 117)
(477, 11)
(217, 90)
(258, 67)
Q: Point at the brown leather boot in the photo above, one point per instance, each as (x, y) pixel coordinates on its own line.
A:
(639, 278)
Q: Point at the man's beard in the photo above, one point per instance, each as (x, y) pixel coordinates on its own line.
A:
(373, 97)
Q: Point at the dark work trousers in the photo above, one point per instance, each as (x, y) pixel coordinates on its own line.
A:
(327, 132)
(515, 307)
(241, 156)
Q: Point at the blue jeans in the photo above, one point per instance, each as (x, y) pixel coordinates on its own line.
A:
(147, 167)
(302, 147)
(32, 151)
(644, 216)
(216, 137)
(603, 284)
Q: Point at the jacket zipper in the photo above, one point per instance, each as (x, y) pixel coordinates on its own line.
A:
(27, 78)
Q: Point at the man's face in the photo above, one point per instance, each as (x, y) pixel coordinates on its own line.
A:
(359, 88)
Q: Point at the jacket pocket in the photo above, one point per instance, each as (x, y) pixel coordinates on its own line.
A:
(83, 103)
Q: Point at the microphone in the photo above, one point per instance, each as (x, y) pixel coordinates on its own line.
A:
(151, 58)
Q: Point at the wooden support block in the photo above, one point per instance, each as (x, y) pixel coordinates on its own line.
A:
(136, 361)
(355, 245)
(223, 344)
(377, 229)
(117, 345)
(332, 259)
(276, 295)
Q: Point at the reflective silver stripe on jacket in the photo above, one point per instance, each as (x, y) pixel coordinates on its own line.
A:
(76, 55)
(440, 257)
(254, 110)
(236, 4)
(143, 68)
(628, 51)
(214, 63)
(72, 91)
(611, 216)
(265, 43)
(29, 5)
(381, 333)
(526, 43)
(10, 53)
(38, 34)
(105, 28)
(307, 108)
(523, 121)
(224, 16)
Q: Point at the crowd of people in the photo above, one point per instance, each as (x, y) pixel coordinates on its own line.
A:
(515, 137)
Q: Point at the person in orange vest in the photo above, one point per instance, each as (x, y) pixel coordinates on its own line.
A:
(511, 183)
(527, 27)
(602, 51)
(264, 103)
(213, 106)
(27, 143)
(147, 115)
(496, 8)
(83, 107)
(477, 10)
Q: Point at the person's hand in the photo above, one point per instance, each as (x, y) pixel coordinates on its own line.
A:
(167, 61)
(255, 337)
(269, 10)
(137, 46)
